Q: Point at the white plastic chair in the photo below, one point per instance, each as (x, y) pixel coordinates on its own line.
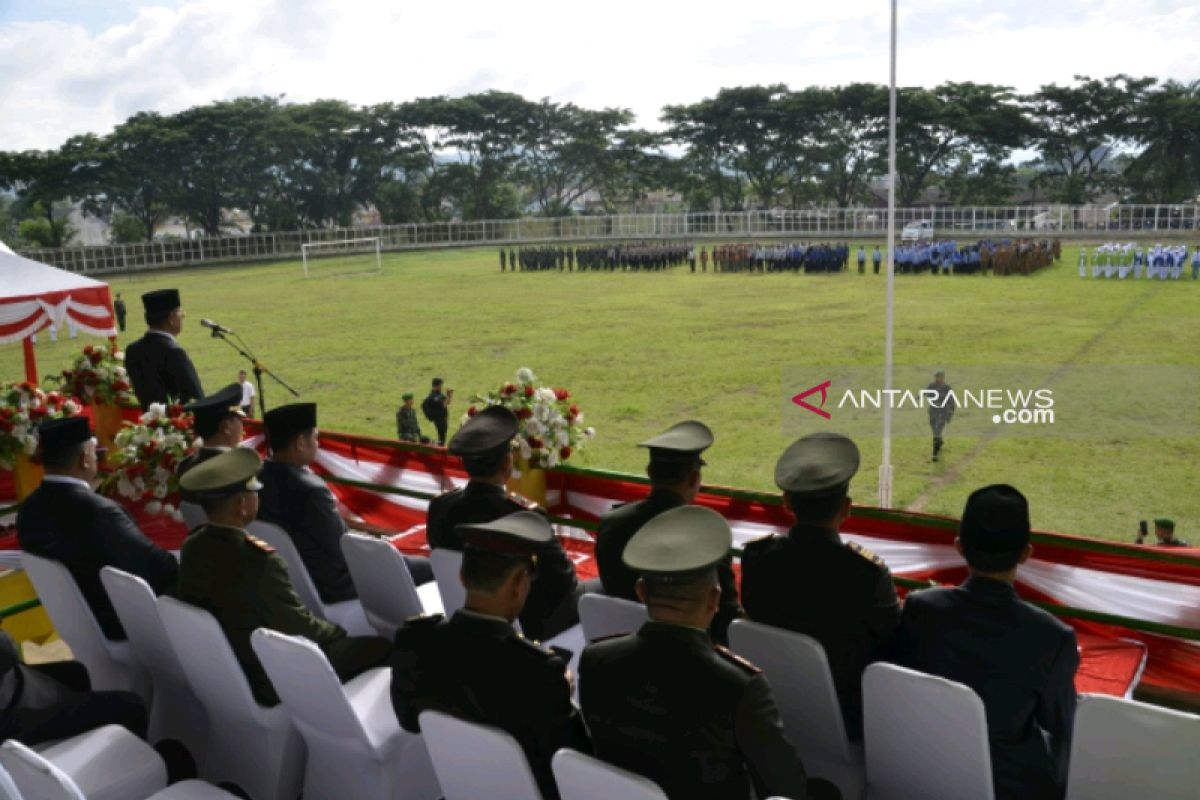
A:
(356, 748)
(8, 789)
(176, 712)
(581, 777)
(477, 762)
(385, 585)
(347, 613)
(446, 566)
(925, 737)
(108, 763)
(252, 746)
(798, 672)
(1122, 748)
(602, 616)
(110, 664)
(193, 515)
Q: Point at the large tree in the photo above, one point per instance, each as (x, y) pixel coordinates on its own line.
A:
(136, 175)
(1167, 123)
(707, 167)
(42, 178)
(1079, 129)
(848, 140)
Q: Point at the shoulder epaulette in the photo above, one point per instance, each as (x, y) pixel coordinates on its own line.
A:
(260, 544)
(865, 553)
(760, 540)
(424, 620)
(609, 637)
(532, 644)
(523, 501)
(735, 659)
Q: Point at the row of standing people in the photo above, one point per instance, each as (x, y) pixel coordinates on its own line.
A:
(624, 256)
(1123, 260)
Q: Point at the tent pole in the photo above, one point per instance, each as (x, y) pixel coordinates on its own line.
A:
(30, 360)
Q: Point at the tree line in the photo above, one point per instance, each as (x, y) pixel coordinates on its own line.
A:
(494, 154)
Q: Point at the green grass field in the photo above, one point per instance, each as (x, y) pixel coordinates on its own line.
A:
(641, 351)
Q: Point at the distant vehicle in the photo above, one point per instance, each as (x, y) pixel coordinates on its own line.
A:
(917, 231)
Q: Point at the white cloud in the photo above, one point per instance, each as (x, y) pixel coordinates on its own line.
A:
(60, 78)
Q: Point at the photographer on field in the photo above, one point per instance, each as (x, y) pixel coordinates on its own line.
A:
(435, 406)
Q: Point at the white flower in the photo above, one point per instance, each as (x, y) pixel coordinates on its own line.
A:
(155, 412)
(524, 449)
(154, 507)
(579, 419)
(534, 428)
(161, 476)
(160, 491)
(562, 439)
(125, 488)
(464, 419)
(552, 459)
(525, 375)
(545, 395)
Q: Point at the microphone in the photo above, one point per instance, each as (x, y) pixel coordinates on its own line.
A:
(208, 323)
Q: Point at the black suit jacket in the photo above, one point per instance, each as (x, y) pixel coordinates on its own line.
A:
(298, 501)
(161, 370)
(694, 718)
(1021, 662)
(555, 583)
(618, 526)
(85, 531)
(841, 595)
(479, 669)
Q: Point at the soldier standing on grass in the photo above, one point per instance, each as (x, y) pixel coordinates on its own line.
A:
(941, 409)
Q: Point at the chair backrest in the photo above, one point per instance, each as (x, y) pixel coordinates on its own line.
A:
(70, 613)
(207, 659)
(385, 586)
(8, 789)
(193, 515)
(798, 672)
(307, 686)
(1122, 748)
(581, 777)
(476, 762)
(137, 608)
(34, 776)
(302, 582)
(601, 615)
(446, 565)
(924, 737)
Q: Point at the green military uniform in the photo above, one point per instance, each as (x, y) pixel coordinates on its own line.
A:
(244, 584)
(408, 428)
(1167, 525)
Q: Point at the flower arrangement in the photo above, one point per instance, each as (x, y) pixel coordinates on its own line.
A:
(550, 425)
(145, 456)
(98, 376)
(24, 406)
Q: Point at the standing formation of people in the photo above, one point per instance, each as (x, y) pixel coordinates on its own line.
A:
(1124, 260)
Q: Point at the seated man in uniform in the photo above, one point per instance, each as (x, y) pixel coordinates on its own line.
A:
(674, 470)
(485, 446)
(45, 702)
(665, 702)
(525, 689)
(295, 499)
(217, 420)
(243, 583)
(811, 582)
(64, 520)
(1019, 659)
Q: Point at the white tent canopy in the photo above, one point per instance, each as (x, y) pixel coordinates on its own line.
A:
(35, 295)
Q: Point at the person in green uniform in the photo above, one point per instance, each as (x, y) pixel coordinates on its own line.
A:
(244, 583)
(1164, 534)
(408, 427)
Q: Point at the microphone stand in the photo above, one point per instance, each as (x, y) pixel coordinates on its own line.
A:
(259, 370)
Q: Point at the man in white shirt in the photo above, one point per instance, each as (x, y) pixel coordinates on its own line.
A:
(247, 393)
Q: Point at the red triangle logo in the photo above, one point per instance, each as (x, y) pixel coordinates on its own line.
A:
(819, 410)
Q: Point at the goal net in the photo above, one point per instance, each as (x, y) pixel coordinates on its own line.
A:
(343, 256)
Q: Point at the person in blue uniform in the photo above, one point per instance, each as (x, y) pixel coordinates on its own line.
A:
(1019, 659)
(667, 703)
(674, 469)
(812, 582)
(525, 689)
(158, 367)
(64, 520)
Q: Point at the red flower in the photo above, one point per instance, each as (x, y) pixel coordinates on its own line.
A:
(95, 358)
(564, 453)
(524, 413)
(88, 349)
(174, 410)
(561, 394)
(166, 462)
(529, 391)
(120, 386)
(181, 423)
(5, 426)
(535, 442)
(509, 388)
(472, 411)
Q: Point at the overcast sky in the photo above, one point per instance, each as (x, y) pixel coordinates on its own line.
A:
(74, 67)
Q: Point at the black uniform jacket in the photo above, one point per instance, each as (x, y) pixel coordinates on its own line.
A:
(161, 370)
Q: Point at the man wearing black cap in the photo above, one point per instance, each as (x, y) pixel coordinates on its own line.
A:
(64, 520)
(242, 582)
(297, 500)
(485, 446)
(812, 582)
(158, 367)
(524, 689)
(217, 420)
(674, 470)
(1019, 659)
(666, 702)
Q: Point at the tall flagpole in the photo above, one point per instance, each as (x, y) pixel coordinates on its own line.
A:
(885, 468)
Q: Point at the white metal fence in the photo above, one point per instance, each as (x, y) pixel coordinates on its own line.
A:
(1118, 221)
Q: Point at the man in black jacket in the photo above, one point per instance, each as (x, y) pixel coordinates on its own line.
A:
(217, 420)
(485, 445)
(674, 470)
(297, 500)
(64, 520)
(158, 367)
(522, 688)
(1019, 659)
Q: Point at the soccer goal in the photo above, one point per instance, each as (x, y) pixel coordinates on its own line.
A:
(344, 255)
